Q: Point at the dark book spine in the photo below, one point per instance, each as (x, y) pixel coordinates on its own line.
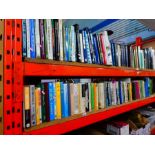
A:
(84, 47)
(99, 49)
(113, 53)
(96, 49)
(47, 102)
(42, 48)
(24, 39)
(27, 118)
(56, 38)
(43, 103)
(53, 39)
(77, 35)
(87, 97)
(45, 38)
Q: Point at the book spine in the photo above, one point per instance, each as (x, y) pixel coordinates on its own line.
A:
(83, 98)
(81, 48)
(53, 39)
(56, 36)
(92, 96)
(49, 39)
(71, 88)
(43, 103)
(73, 44)
(100, 50)
(32, 105)
(79, 97)
(27, 106)
(51, 90)
(45, 38)
(96, 49)
(38, 105)
(66, 100)
(42, 47)
(61, 39)
(87, 97)
(95, 96)
(32, 38)
(28, 37)
(67, 56)
(101, 95)
(24, 39)
(84, 47)
(37, 38)
(58, 100)
(89, 89)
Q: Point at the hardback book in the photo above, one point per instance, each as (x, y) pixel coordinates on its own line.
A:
(81, 48)
(87, 97)
(32, 39)
(79, 97)
(52, 101)
(84, 47)
(64, 100)
(100, 49)
(37, 38)
(49, 39)
(119, 55)
(78, 48)
(101, 97)
(60, 40)
(93, 49)
(27, 106)
(95, 96)
(113, 53)
(71, 88)
(58, 100)
(45, 38)
(24, 39)
(53, 38)
(42, 42)
(92, 96)
(56, 38)
(28, 37)
(76, 100)
(32, 105)
(43, 102)
(108, 48)
(38, 105)
(66, 43)
(96, 49)
(73, 44)
(83, 98)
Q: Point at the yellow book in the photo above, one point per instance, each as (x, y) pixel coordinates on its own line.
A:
(58, 100)
(26, 114)
(38, 105)
(95, 96)
(130, 91)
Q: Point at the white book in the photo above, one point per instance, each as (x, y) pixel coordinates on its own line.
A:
(89, 88)
(153, 57)
(107, 48)
(83, 98)
(76, 105)
(139, 56)
(119, 54)
(101, 97)
(60, 39)
(28, 37)
(81, 48)
(37, 38)
(73, 43)
(49, 39)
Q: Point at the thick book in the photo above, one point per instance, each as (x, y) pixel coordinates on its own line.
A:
(27, 106)
(83, 98)
(52, 102)
(38, 105)
(32, 39)
(37, 38)
(24, 38)
(58, 100)
(28, 37)
(96, 49)
(42, 41)
(76, 100)
(32, 105)
(100, 49)
(64, 100)
(101, 97)
(103, 49)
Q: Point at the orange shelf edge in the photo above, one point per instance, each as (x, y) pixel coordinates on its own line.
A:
(61, 128)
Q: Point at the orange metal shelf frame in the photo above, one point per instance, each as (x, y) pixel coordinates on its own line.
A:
(63, 127)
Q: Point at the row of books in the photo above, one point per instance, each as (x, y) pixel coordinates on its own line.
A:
(50, 39)
(124, 55)
(56, 99)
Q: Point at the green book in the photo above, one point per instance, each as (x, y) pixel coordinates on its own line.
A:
(92, 96)
(43, 104)
(151, 85)
(45, 36)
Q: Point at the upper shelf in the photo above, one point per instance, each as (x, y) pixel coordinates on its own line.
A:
(40, 67)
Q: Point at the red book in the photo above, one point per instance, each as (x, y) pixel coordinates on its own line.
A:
(137, 90)
(103, 49)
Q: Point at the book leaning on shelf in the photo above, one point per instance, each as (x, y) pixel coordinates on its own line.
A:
(56, 99)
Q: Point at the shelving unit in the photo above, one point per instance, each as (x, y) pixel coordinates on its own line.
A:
(15, 70)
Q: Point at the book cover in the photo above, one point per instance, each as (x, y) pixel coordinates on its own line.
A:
(84, 47)
(43, 103)
(38, 105)
(28, 37)
(37, 38)
(32, 39)
(81, 48)
(58, 100)
(52, 102)
(42, 47)
(66, 43)
(27, 106)
(60, 40)
(73, 44)
(32, 105)
(24, 39)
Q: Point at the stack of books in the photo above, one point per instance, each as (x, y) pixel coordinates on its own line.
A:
(56, 98)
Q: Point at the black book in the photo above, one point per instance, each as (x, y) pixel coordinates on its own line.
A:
(77, 35)
(43, 103)
(56, 39)
(87, 96)
(100, 50)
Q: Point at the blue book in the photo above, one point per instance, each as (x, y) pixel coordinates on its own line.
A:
(64, 100)
(68, 98)
(147, 94)
(84, 47)
(66, 44)
(32, 38)
(120, 92)
(52, 101)
(96, 50)
(113, 53)
(24, 41)
(87, 47)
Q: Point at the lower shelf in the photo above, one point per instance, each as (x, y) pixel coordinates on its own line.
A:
(77, 121)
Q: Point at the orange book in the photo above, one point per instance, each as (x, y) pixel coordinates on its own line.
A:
(95, 96)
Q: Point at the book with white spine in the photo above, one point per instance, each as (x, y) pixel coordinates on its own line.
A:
(60, 39)
(28, 37)
(89, 88)
(76, 103)
(73, 43)
(81, 48)
(101, 97)
(49, 39)
(37, 38)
